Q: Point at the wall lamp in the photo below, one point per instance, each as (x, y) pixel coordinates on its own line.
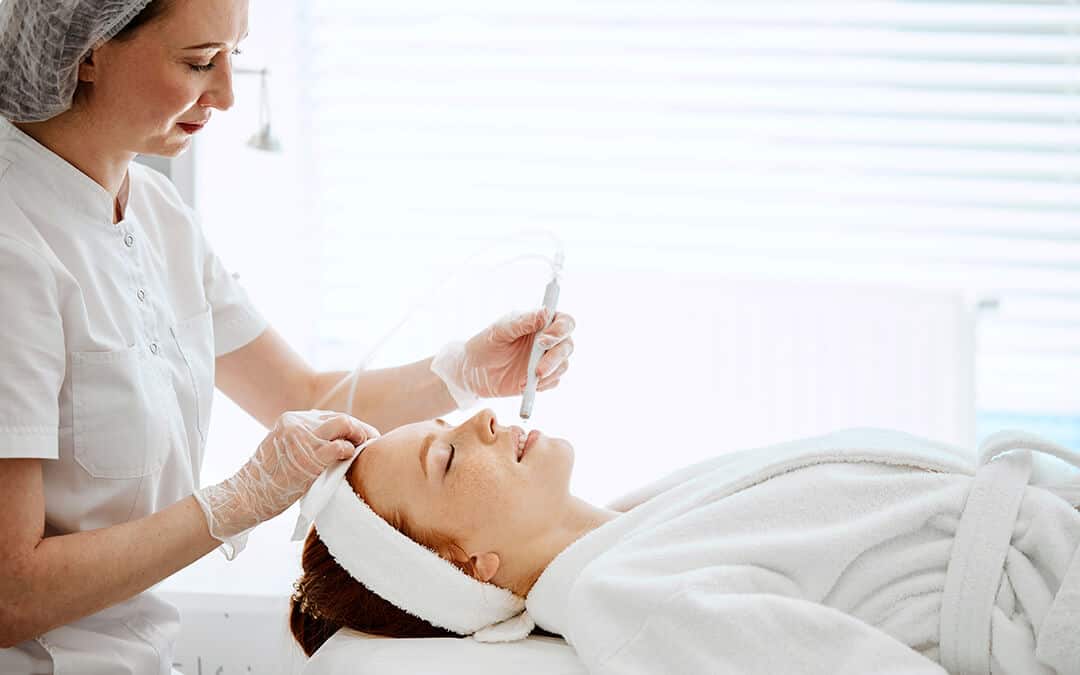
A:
(264, 138)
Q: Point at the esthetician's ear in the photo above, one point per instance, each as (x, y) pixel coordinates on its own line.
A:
(486, 565)
(87, 71)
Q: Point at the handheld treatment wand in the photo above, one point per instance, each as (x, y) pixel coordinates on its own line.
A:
(439, 292)
(551, 300)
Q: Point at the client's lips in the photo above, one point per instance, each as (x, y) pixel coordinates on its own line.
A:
(191, 127)
(529, 442)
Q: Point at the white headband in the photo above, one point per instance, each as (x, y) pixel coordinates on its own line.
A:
(403, 572)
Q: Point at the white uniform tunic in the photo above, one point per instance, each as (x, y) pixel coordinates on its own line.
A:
(107, 348)
(829, 556)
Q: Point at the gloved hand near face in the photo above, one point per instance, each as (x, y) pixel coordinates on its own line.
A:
(299, 447)
(493, 363)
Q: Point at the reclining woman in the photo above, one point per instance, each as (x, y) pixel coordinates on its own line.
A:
(856, 552)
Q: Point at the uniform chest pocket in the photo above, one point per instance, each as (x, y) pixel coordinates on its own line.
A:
(119, 421)
(195, 340)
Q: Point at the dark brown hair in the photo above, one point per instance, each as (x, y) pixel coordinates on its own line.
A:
(327, 598)
(152, 12)
(155, 10)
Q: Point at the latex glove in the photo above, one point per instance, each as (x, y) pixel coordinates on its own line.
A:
(493, 362)
(299, 447)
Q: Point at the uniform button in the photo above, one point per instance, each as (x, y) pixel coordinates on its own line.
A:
(129, 240)
(153, 348)
(142, 295)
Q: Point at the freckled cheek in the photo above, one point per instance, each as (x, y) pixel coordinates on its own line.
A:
(481, 497)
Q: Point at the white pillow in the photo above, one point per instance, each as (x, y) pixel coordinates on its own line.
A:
(352, 653)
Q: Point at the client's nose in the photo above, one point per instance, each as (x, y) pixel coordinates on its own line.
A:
(484, 424)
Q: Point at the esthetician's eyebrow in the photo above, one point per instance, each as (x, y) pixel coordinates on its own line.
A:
(425, 446)
(207, 45)
(213, 45)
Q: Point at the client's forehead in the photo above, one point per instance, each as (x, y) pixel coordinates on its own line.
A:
(392, 452)
(393, 438)
(385, 451)
(403, 437)
(370, 473)
(388, 472)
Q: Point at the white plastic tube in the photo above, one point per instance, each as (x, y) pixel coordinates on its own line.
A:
(439, 291)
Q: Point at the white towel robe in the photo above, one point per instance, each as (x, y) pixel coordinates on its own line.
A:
(827, 555)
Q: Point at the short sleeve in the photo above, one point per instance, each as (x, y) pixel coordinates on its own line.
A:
(32, 354)
(236, 321)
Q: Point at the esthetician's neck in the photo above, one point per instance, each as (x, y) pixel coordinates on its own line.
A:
(76, 138)
(580, 518)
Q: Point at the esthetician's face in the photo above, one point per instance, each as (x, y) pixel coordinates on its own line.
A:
(467, 482)
(152, 92)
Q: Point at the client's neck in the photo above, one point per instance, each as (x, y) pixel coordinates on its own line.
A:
(520, 573)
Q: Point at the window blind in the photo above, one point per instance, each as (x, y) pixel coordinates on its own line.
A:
(912, 143)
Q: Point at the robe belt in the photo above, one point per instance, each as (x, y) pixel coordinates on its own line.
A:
(982, 541)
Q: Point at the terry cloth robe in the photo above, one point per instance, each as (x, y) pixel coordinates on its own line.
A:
(828, 555)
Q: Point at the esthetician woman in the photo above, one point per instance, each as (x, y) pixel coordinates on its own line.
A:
(117, 321)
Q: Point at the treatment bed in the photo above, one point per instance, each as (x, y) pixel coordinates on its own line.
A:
(351, 653)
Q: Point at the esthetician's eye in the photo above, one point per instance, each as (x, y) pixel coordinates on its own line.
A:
(451, 459)
(205, 67)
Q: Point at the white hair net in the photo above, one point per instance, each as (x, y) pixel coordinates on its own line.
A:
(42, 43)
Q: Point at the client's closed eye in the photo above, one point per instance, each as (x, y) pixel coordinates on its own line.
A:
(450, 460)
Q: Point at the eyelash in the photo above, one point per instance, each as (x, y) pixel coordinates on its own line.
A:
(451, 460)
(205, 67)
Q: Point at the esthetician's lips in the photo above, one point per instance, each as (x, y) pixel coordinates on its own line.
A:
(191, 128)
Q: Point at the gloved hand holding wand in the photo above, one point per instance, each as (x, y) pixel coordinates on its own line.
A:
(493, 363)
